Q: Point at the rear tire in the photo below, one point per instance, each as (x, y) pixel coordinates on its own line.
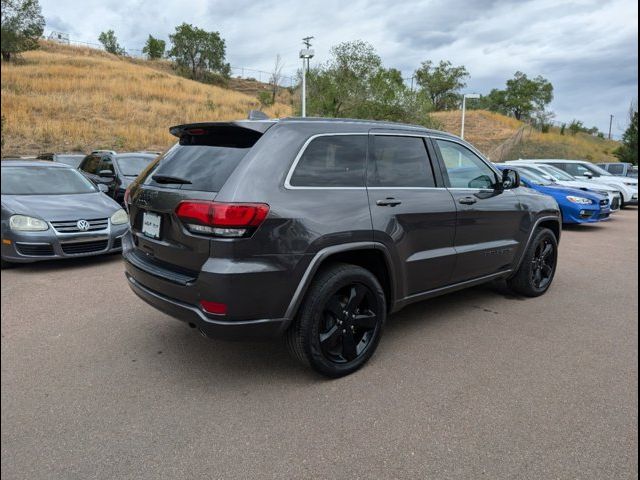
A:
(538, 267)
(340, 321)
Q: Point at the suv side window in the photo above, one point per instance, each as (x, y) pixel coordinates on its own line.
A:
(615, 169)
(91, 164)
(578, 170)
(464, 168)
(332, 161)
(398, 161)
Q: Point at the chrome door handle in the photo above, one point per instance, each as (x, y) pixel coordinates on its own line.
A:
(467, 200)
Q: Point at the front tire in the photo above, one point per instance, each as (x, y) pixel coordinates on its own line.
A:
(340, 321)
(538, 266)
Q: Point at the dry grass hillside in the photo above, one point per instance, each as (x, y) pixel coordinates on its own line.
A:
(62, 98)
(505, 138)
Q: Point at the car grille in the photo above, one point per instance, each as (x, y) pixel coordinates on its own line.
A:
(72, 248)
(71, 226)
(35, 250)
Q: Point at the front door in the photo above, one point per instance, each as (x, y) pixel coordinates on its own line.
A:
(412, 214)
(488, 227)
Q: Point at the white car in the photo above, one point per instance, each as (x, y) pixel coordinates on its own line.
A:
(580, 169)
(561, 177)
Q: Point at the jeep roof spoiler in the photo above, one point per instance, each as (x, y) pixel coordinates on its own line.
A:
(259, 126)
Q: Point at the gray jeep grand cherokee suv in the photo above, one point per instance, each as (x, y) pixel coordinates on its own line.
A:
(317, 229)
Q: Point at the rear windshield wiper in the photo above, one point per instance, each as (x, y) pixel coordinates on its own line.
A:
(170, 179)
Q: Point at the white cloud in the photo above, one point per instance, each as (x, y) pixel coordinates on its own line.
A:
(587, 49)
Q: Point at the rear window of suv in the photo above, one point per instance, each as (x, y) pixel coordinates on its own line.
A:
(204, 162)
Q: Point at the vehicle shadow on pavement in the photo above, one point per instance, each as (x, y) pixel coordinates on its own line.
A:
(194, 357)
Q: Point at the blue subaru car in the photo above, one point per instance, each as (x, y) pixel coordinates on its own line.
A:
(577, 206)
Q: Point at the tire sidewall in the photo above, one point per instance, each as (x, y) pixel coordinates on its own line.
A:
(541, 235)
(312, 316)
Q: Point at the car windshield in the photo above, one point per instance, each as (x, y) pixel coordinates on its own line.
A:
(557, 173)
(71, 160)
(132, 166)
(42, 180)
(534, 177)
(596, 169)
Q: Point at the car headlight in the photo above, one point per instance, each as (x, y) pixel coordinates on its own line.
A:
(119, 217)
(579, 200)
(23, 223)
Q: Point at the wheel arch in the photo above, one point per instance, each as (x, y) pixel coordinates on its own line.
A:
(372, 256)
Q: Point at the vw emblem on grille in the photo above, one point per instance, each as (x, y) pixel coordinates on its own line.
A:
(83, 225)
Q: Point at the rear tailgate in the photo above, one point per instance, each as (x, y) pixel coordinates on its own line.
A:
(194, 169)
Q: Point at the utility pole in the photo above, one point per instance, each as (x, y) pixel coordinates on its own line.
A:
(464, 107)
(306, 54)
(610, 123)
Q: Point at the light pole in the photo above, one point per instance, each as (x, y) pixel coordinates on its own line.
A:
(464, 107)
(610, 123)
(305, 54)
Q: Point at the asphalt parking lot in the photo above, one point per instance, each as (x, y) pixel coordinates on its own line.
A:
(477, 384)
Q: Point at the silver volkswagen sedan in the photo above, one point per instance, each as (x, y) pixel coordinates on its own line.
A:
(50, 210)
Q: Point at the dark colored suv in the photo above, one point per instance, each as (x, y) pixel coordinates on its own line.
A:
(317, 229)
(115, 170)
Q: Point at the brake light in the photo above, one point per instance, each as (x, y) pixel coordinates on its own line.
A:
(222, 219)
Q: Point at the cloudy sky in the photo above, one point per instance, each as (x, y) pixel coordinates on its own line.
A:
(587, 49)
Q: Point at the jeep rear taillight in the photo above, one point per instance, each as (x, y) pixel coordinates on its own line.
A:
(232, 220)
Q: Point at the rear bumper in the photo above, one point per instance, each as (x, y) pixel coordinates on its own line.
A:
(211, 327)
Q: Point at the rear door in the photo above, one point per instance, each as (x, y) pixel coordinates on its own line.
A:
(194, 169)
(488, 227)
(412, 212)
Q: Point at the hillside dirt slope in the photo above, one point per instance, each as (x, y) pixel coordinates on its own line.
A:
(505, 138)
(62, 98)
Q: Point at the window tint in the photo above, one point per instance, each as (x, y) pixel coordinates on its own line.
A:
(332, 161)
(206, 167)
(464, 168)
(132, 166)
(91, 164)
(107, 164)
(399, 162)
(616, 169)
(578, 170)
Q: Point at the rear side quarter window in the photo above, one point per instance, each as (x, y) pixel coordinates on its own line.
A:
(331, 161)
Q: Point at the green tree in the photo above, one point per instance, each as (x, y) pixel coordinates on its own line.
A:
(525, 96)
(442, 83)
(354, 83)
(154, 48)
(22, 24)
(628, 151)
(199, 52)
(110, 42)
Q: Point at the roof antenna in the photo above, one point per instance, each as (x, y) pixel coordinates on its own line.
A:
(257, 115)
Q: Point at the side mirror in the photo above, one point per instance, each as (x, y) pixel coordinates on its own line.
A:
(103, 188)
(108, 174)
(589, 175)
(510, 179)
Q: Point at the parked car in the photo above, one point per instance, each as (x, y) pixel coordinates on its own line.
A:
(628, 187)
(620, 169)
(50, 211)
(577, 206)
(71, 159)
(270, 228)
(115, 170)
(560, 177)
